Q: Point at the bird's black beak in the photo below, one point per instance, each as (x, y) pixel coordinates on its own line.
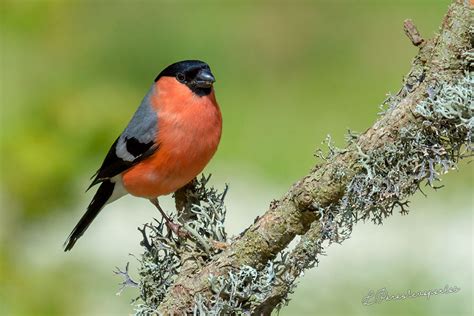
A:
(204, 79)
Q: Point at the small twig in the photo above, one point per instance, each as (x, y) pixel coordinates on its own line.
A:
(145, 242)
(403, 206)
(127, 280)
(412, 32)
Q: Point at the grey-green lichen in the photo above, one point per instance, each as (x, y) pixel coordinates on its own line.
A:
(164, 253)
(238, 292)
(422, 151)
(390, 174)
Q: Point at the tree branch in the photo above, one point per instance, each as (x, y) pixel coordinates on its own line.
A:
(424, 130)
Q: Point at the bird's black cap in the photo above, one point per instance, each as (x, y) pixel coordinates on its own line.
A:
(181, 67)
(195, 74)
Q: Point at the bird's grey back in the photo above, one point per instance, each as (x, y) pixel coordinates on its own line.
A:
(142, 127)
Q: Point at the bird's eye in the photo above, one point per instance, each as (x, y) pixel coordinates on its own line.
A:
(180, 77)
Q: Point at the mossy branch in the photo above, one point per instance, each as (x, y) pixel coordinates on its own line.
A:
(424, 130)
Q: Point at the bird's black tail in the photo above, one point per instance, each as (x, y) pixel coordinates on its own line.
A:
(100, 199)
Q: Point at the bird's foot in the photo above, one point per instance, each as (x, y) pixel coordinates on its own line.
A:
(177, 229)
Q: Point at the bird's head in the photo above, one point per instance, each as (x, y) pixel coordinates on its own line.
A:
(195, 74)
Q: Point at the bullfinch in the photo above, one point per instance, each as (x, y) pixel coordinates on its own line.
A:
(167, 143)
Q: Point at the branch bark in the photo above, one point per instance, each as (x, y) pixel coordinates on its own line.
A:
(328, 185)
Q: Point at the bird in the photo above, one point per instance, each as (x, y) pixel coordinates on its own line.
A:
(169, 140)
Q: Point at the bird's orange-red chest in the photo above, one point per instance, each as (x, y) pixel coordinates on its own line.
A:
(189, 131)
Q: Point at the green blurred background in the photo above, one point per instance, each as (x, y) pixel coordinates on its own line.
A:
(288, 74)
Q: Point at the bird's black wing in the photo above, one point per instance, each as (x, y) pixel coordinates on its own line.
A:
(137, 142)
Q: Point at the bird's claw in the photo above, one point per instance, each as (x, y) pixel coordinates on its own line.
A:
(177, 229)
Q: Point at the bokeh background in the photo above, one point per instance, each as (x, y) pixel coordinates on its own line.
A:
(289, 73)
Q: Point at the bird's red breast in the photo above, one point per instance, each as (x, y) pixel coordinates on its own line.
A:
(188, 133)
